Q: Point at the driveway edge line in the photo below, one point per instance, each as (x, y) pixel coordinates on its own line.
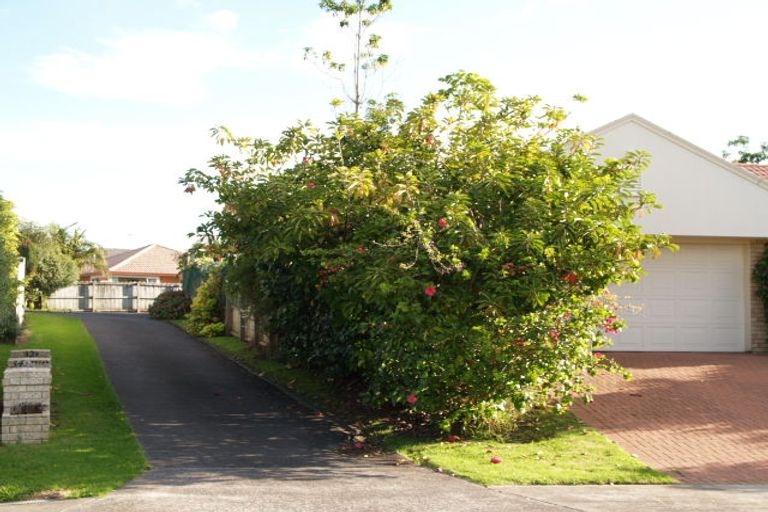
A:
(338, 423)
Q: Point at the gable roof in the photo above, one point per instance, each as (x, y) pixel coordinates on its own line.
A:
(759, 170)
(151, 259)
(738, 170)
(117, 256)
(701, 194)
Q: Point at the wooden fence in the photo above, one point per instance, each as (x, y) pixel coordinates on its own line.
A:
(108, 296)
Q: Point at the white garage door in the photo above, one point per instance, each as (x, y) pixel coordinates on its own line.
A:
(690, 301)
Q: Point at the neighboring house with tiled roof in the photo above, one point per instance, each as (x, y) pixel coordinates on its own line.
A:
(756, 169)
(150, 264)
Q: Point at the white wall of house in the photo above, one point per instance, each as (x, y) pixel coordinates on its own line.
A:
(701, 194)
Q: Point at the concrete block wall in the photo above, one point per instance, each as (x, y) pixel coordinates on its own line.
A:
(758, 325)
(26, 397)
(251, 328)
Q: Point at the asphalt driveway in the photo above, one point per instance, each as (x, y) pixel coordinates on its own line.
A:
(219, 438)
(702, 418)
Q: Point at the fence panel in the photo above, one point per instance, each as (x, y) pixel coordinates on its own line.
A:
(108, 296)
(147, 293)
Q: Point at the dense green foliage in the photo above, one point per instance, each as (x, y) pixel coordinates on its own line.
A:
(9, 264)
(454, 258)
(207, 314)
(92, 449)
(170, 305)
(55, 257)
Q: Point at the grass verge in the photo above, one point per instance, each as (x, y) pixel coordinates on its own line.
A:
(566, 452)
(92, 449)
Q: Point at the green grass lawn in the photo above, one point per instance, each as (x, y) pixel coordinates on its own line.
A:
(566, 452)
(92, 449)
(572, 454)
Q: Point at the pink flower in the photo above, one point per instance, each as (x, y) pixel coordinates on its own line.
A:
(430, 291)
(443, 223)
(555, 335)
(610, 326)
(362, 248)
(567, 315)
(311, 184)
(571, 278)
(497, 460)
(412, 399)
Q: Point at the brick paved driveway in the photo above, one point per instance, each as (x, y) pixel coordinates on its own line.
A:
(702, 418)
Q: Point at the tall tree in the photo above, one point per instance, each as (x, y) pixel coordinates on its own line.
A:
(9, 263)
(55, 257)
(358, 16)
(741, 143)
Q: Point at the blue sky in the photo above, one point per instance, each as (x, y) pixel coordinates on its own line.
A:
(105, 103)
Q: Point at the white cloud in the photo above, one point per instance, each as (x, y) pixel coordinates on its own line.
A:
(155, 66)
(224, 20)
(118, 181)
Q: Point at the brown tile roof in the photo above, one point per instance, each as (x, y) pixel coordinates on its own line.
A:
(116, 256)
(759, 170)
(152, 260)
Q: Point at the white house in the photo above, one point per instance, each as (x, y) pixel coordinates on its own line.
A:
(702, 297)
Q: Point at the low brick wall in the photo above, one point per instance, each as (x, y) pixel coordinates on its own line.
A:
(26, 397)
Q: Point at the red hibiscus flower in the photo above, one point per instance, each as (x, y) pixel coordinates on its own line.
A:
(430, 291)
(571, 278)
(443, 223)
(412, 399)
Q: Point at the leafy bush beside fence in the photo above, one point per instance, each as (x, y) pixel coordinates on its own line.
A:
(170, 305)
(9, 264)
(454, 258)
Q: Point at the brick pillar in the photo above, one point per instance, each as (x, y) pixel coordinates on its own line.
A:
(757, 308)
(26, 397)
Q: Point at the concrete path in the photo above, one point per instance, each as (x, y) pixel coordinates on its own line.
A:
(702, 418)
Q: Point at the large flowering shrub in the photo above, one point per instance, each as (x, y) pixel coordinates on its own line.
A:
(454, 257)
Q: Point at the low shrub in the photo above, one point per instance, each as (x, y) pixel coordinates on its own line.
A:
(170, 305)
(208, 305)
(213, 330)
